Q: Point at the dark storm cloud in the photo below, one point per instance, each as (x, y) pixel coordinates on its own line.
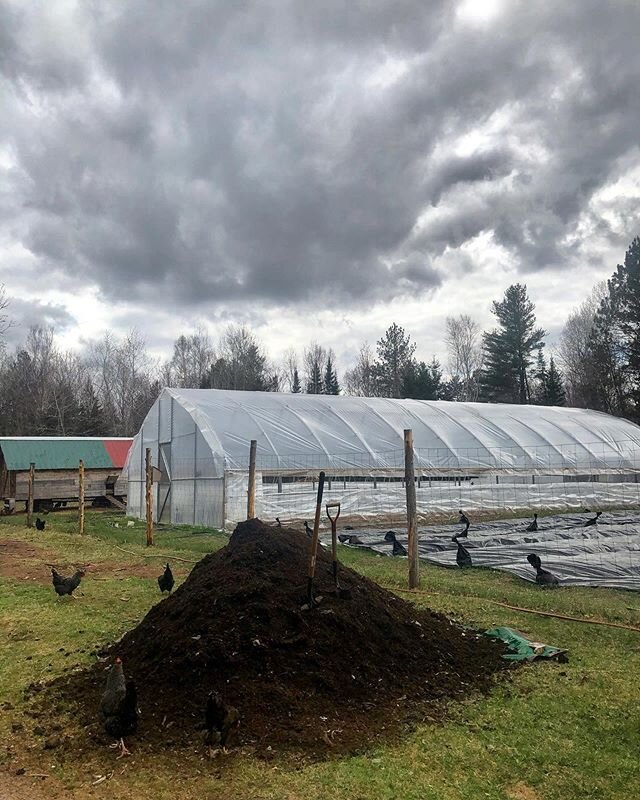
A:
(208, 152)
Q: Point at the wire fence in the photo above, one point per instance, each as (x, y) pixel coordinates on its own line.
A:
(490, 482)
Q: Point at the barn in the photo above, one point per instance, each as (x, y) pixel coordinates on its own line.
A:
(467, 455)
(56, 460)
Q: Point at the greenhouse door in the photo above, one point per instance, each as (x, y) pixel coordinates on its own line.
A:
(164, 484)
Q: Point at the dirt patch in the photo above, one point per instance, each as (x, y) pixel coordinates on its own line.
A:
(27, 561)
(334, 679)
(21, 560)
(520, 791)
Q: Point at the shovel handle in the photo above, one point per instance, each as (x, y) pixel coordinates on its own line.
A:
(314, 540)
(333, 505)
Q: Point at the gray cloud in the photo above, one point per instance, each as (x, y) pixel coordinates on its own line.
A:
(209, 153)
(25, 313)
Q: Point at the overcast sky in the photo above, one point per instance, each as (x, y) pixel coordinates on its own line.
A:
(316, 170)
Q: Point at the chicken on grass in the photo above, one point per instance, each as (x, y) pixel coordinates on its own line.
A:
(166, 581)
(40, 524)
(397, 549)
(119, 707)
(66, 586)
(221, 723)
(543, 576)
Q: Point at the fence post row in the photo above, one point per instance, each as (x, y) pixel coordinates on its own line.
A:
(409, 482)
(32, 477)
(149, 495)
(81, 497)
(251, 490)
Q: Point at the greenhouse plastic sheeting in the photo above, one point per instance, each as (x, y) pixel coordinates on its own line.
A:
(361, 504)
(606, 554)
(306, 432)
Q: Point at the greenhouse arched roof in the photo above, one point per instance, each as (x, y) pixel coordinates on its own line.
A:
(302, 431)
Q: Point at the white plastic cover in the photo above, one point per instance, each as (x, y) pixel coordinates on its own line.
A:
(348, 433)
(199, 439)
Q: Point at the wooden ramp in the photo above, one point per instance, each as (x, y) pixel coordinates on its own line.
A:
(116, 503)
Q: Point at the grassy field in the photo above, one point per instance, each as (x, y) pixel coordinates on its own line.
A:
(554, 731)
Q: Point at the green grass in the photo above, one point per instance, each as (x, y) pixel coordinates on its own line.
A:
(552, 731)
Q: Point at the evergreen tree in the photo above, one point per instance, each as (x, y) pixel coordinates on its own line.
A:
(555, 395)
(296, 388)
(395, 357)
(624, 290)
(454, 390)
(315, 384)
(331, 385)
(91, 417)
(541, 377)
(508, 349)
(423, 381)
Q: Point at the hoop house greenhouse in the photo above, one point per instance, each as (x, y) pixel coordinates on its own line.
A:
(467, 455)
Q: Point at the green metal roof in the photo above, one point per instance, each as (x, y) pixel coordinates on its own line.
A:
(58, 452)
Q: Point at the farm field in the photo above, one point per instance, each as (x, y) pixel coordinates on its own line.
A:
(551, 731)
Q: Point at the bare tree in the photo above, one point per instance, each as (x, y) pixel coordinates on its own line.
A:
(576, 351)
(361, 380)
(241, 363)
(464, 345)
(5, 320)
(290, 370)
(124, 381)
(192, 358)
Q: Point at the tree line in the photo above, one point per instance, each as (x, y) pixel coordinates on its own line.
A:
(109, 389)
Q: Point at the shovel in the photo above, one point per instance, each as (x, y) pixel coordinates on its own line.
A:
(311, 601)
(343, 593)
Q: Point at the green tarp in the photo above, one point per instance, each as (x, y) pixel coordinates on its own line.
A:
(521, 648)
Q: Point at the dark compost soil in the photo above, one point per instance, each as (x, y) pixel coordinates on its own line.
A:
(338, 678)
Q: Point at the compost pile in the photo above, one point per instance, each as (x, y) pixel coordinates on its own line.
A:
(337, 677)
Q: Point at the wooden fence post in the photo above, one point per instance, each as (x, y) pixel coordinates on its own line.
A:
(149, 495)
(32, 478)
(409, 479)
(251, 491)
(81, 497)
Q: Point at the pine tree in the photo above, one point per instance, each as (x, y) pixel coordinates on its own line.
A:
(296, 388)
(395, 357)
(508, 350)
(315, 384)
(541, 376)
(423, 381)
(554, 389)
(331, 385)
(624, 289)
(91, 418)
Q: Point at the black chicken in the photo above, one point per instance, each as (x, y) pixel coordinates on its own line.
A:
(119, 707)
(464, 519)
(533, 525)
(349, 538)
(64, 585)
(308, 530)
(593, 520)
(543, 576)
(40, 524)
(166, 581)
(278, 523)
(221, 723)
(463, 557)
(398, 549)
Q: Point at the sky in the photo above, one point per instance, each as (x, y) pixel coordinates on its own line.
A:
(316, 171)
